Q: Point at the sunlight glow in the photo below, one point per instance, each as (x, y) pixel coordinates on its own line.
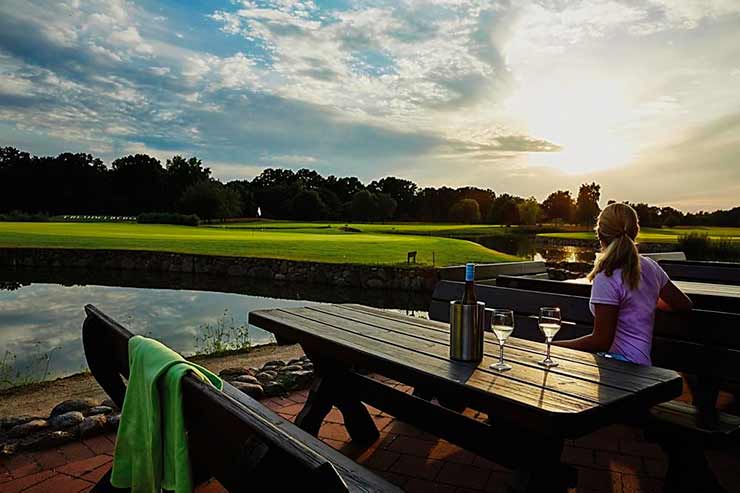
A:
(584, 116)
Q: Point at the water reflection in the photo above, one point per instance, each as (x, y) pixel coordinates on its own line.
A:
(526, 246)
(41, 312)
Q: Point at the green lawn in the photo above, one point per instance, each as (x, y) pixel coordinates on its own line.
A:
(376, 244)
(661, 235)
(434, 229)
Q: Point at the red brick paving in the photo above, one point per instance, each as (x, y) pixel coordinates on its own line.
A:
(615, 460)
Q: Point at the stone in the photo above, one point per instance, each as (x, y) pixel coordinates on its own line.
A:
(246, 379)
(266, 376)
(73, 405)
(280, 277)
(8, 448)
(98, 410)
(66, 420)
(110, 404)
(375, 283)
(252, 390)
(113, 421)
(273, 364)
(295, 361)
(290, 368)
(28, 428)
(92, 425)
(308, 366)
(303, 378)
(273, 389)
(10, 422)
(229, 373)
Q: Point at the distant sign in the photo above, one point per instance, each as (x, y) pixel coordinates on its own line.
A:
(259, 212)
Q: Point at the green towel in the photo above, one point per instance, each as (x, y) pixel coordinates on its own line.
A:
(152, 446)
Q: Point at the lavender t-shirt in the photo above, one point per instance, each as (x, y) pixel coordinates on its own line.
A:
(633, 338)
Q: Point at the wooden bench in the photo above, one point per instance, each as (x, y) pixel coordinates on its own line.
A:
(720, 301)
(658, 256)
(232, 437)
(695, 270)
(491, 271)
(703, 343)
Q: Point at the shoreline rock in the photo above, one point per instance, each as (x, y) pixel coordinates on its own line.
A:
(73, 419)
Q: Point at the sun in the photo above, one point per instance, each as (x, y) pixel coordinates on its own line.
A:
(586, 117)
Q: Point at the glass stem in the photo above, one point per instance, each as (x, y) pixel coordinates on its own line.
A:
(501, 354)
(549, 341)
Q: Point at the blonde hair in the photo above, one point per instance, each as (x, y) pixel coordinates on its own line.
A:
(617, 228)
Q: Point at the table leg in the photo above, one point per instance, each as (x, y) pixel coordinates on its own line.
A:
(332, 389)
(317, 406)
(541, 469)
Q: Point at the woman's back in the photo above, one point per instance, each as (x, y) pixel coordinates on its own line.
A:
(634, 332)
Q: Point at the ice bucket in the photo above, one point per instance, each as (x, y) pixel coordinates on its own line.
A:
(467, 323)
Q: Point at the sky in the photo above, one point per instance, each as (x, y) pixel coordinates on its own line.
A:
(523, 97)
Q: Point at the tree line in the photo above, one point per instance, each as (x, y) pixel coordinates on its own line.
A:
(79, 183)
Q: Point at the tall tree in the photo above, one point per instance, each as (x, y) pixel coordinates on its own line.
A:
(465, 211)
(587, 204)
(364, 206)
(183, 173)
(139, 185)
(385, 205)
(402, 191)
(308, 206)
(529, 211)
(505, 210)
(210, 200)
(559, 205)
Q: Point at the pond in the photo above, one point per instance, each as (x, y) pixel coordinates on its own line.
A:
(526, 246)
(41, 313)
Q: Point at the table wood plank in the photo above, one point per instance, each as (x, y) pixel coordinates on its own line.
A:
(514, 355)
(430, 357)
(533, 375)
(561, 354)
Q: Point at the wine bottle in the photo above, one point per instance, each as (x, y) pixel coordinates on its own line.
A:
(469, 293)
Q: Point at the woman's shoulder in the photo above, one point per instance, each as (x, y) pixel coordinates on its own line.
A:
(650, 267)
(646, 263)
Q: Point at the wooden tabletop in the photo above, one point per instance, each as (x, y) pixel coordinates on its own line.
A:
(583, 393)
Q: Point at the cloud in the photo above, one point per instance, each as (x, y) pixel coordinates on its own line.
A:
(496, 93)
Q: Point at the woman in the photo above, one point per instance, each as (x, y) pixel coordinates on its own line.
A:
(627, 288)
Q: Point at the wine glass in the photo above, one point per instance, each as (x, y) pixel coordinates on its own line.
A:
(502, 325)
(549, 323)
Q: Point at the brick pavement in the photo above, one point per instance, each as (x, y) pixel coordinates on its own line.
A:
(615, 459)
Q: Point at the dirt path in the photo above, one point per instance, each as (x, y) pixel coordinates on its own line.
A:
(39, 399)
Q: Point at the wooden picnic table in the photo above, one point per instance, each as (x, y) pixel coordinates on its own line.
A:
(531, 410)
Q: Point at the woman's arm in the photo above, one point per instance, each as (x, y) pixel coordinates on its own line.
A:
(605, 325)
(672, 299)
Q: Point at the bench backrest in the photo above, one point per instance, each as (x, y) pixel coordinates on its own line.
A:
(491, 271)
(231, 436)
(702, 342)
(701, 301)
(695, 270)
(658, 256)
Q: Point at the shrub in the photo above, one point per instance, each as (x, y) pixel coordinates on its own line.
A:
(168, 218)
(698, 246)
(18, 216)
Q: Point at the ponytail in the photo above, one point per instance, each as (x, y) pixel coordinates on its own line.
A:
(617, 229)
